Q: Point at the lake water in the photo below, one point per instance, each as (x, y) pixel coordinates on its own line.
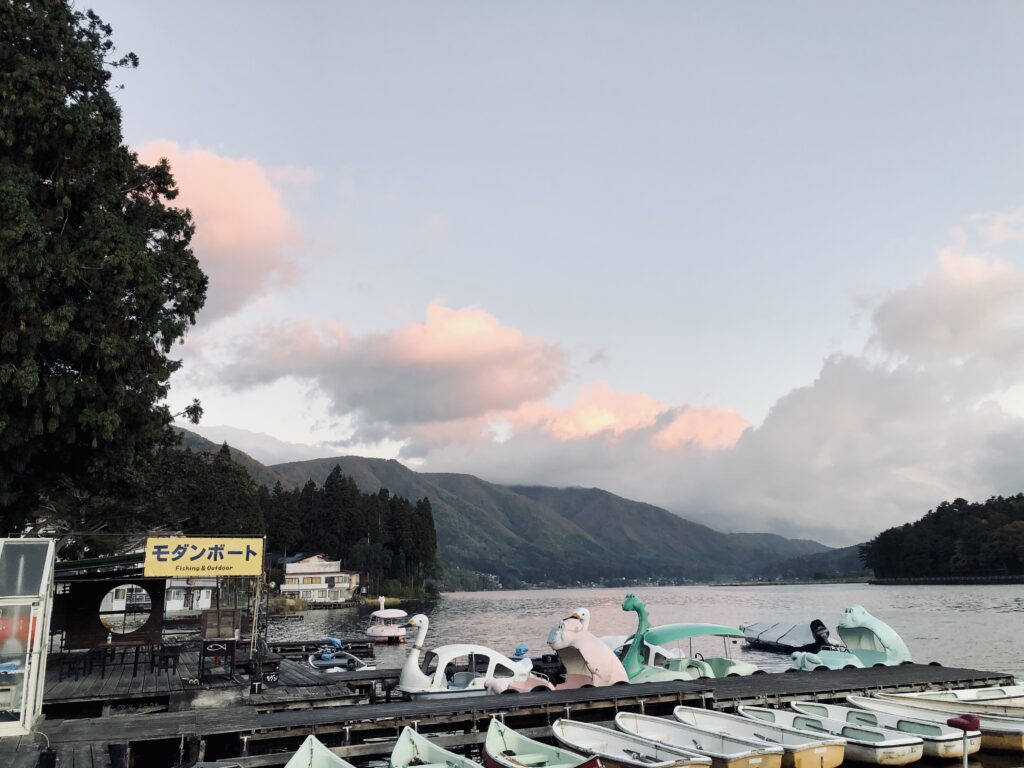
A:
(966, 626)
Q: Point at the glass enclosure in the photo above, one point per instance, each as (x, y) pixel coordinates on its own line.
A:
(26, 597)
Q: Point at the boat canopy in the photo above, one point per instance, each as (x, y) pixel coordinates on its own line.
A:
(668, 633)
(390, 613)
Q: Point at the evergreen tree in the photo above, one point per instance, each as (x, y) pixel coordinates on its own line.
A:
(97, 279)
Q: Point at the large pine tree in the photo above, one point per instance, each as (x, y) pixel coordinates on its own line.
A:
(97, 279)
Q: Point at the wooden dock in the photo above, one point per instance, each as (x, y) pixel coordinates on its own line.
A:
(255, 737)
(118, 690)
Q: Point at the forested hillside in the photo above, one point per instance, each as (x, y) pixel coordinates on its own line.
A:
(958, 538)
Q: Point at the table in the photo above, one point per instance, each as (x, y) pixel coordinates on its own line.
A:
(120, 645)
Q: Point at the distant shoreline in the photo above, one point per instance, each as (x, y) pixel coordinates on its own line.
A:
(937, 580)
(794, 582)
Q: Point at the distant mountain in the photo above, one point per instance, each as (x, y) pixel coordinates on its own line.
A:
(259, 472)
(832, 564)
(543, 535)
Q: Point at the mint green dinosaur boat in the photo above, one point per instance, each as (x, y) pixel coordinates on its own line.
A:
(656, 654)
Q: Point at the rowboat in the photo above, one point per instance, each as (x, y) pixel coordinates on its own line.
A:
(411, 749)
(622, 750)
(800, 750)
(1010, 694)
(1004, 733)
(313, 754)
(724, 750)
(864, 744)
(937, 701)
(506, 748)
(940, 740)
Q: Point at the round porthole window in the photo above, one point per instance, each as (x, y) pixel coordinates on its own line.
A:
(125, 608)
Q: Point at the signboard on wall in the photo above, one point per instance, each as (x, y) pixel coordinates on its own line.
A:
(189, 556)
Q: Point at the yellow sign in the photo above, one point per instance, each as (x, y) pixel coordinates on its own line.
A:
(184, 557)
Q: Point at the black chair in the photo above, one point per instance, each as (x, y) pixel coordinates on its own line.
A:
(72, 664)
(166, 658)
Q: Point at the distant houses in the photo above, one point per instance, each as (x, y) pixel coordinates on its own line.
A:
(317, 580)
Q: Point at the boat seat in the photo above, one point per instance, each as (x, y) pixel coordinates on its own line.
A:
(530, 758)
(463, 679)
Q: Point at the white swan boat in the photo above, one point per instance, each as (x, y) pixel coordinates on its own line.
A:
(1002, 733)
(462, 669)
(313, 754)
(864, 744)
(622, 750)
(506, 748)
(940, 740)
(799, 749)
(939, 701)
(387, 625)
(724, 749)
(412, 749)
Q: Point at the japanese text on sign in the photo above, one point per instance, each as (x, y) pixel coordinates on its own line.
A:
(181, 556)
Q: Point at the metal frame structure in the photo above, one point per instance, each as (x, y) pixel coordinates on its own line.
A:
(26, 600)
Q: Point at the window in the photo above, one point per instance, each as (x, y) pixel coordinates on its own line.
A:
(343, 581)
(322, 594)
(291, 579)
(306, 594)
(119, 594)
(500, 670)
(310, 579)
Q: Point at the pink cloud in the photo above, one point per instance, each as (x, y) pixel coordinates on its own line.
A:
(456, 366)
(243, 229)
(708, 428)
(599, 410)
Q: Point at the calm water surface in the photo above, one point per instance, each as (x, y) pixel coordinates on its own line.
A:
(968, 626)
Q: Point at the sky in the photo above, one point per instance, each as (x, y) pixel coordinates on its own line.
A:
(760, 264)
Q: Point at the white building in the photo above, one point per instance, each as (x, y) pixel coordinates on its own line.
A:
(195, 594)
(316, 579)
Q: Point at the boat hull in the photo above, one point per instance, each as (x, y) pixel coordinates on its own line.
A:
(884, 755)
(830, 756)
(950, 748)
(752, 761)
(451, 694)
(1002, 742)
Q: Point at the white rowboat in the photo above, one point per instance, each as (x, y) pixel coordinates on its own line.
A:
(1005, 733)
(940, 740)
(621, 750)
(864, 744)
(800, 749)
(724, 750)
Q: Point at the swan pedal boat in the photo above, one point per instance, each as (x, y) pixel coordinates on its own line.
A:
(799, 749)
(938, 701)
(622, 750)
(999, 733)
(506, 748)
(313, 754)
(724, 750)
(415, 751)
(940, 740)
(864, 744)
(462, 669)
(387, 625)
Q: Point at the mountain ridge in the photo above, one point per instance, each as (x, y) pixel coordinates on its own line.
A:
(544, 535)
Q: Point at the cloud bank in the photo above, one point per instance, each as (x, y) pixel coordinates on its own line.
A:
(923, 413)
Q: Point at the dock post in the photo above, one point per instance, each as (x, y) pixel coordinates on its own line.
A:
(245, 746)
